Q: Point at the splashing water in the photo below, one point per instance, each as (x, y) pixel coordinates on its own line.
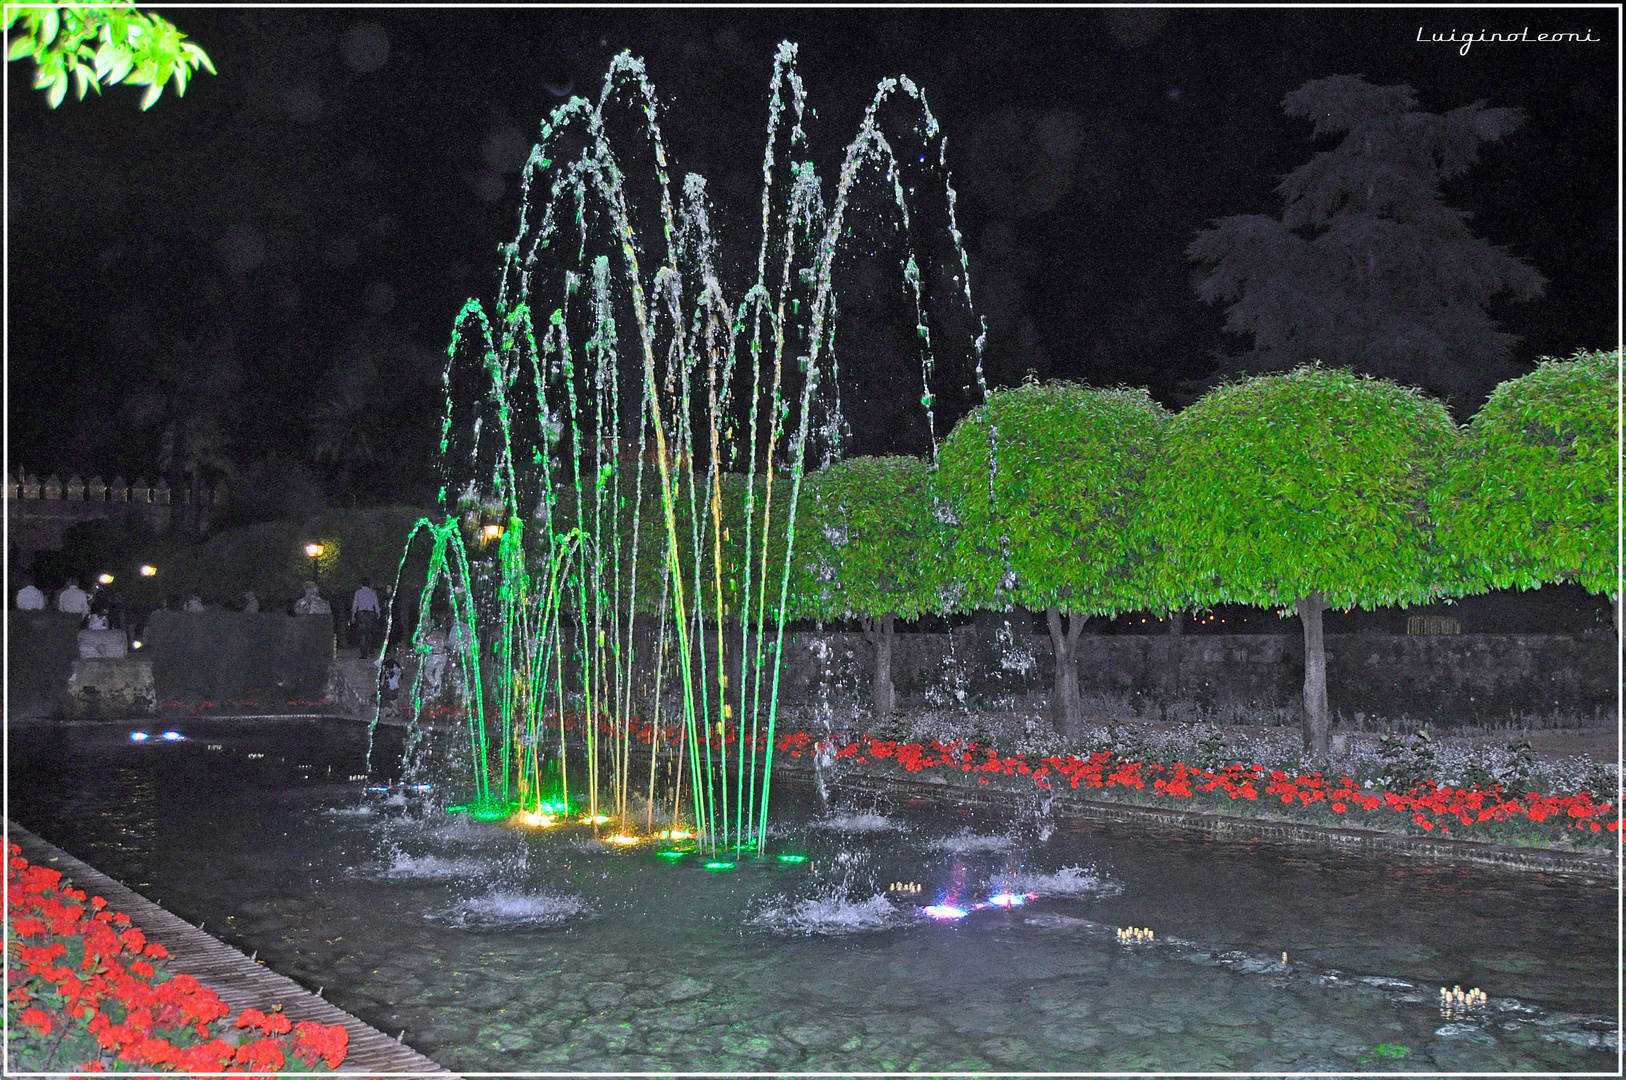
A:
(966, 842)
(622, 457)
(511, 911)
(830, 914)
(1068, 881)
(858, 821)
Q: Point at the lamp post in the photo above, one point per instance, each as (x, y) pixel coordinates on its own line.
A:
(314, 550)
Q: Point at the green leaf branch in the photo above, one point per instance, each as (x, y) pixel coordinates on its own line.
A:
(101, 45)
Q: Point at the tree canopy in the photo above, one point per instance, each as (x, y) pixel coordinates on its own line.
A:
(1315, 481)
(1368, 268)
(873, 540)
(1046, 482)
(1531, 498)
(102, 44)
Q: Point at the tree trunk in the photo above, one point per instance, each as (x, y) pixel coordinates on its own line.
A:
(1177, 631)
(1317, 727)
(1064, 700)
(878, 632)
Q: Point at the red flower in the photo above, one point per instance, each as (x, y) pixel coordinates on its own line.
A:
(38, 1019)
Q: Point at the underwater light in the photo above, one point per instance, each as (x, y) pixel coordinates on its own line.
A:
(172, 736)
(671, 854)
(1007, 900)
(719, 865)
(944, 911)
(677, 834)
(536, 819)
(793, 858)
(139, 736)
(385, 788)
(421, 788)
(595, 819)
(622, 838)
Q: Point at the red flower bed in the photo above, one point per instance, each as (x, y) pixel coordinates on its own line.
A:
(90, 993)
(1431, 807)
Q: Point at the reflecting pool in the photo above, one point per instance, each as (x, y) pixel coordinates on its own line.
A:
(507, 949)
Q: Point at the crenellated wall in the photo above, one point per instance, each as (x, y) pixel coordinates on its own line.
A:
(39, 512)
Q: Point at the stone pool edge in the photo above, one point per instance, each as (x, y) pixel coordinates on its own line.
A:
(241, 982)
(1588, 868)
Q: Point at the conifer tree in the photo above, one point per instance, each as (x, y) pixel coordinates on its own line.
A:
(1367, 268)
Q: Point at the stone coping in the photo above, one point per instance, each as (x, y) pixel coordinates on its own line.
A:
(239, 980)
(1589, 868)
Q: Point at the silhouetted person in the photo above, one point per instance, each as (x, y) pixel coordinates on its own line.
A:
(73, 600)
(29, 598)
(364, 614)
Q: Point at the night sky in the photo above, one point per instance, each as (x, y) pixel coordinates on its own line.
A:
(261, 277)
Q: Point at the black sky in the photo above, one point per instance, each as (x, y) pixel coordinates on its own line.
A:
(303, 227)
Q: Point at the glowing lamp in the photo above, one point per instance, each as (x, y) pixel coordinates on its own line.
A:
(1007, 900)
(135, 644)
(139, 736)
(622, 838)
(679, 834)
(719, 865)
(536, 819)
(104, 579)
(491, 532)
(148, 570)
(793, 858)
(313, 551)
(171, 736)
(944, 911)
(595, 819)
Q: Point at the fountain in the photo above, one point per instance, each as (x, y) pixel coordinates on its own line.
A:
(622, 460)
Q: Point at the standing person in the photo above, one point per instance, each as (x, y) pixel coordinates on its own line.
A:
(29, 598)
(251, 603)
(194, 602)
(73, 600)
(364, 614)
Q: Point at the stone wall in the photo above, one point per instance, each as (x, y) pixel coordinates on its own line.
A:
(1448, 679)
(222, 656)
(42, 646)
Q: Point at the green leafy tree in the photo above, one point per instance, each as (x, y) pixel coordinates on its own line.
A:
(873, 547)
(1300, 492)
(1368, 268)
(1531, 498)
(1048, 486)
(96, 45)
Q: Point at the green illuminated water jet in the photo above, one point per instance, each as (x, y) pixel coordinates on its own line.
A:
(622, 456)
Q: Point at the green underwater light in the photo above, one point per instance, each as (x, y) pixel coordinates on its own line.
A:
(673, 855)
(485, 809)
(793, 858)
(717, 864)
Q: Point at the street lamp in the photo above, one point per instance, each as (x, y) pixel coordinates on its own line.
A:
(148, 570)
(104, 579)
(314, 550)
